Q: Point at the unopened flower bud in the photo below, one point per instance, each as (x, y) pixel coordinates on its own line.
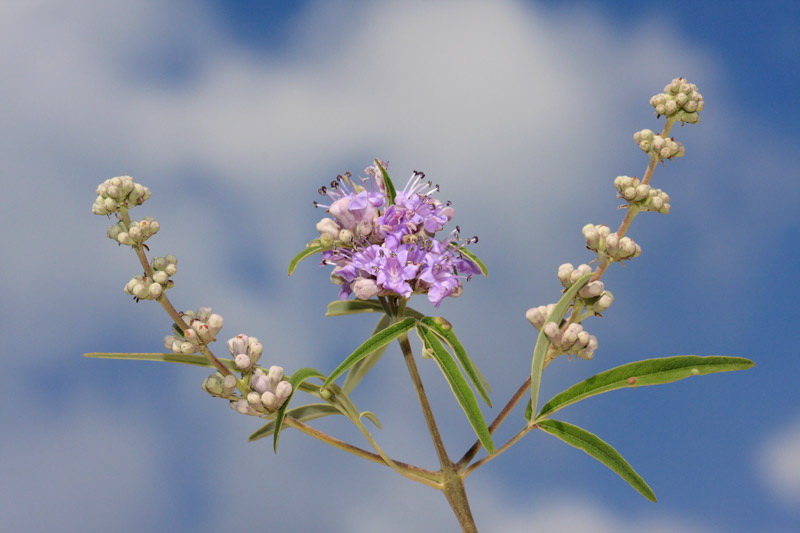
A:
(552, 331)
(275, 375)
(269, 400)
(213, 384)
(346, 235)
(604, 302)
(592, 289)
(564, 272)
(242, 361)
(327, 226)
(229, 383)
(283, 390)
(155, 290)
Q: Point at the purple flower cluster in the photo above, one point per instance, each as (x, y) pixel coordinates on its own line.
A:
(380, 248)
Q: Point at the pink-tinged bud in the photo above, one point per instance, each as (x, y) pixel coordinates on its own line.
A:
(238, 344)
(242, 361)
(242, 407)
(327, 226)
(552, 332)
(254, 348)
(215, 322)
(564, 272)
(229, 383)
(254, 400)
(364, 289)
(259, 382)
(269, 400)
(341, 212)
(604, 302)
(275, 375)
(188, 348)
(592, 289)
(203, 314)
(283, 390)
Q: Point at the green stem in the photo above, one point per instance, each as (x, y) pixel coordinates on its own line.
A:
(453, 481)
(422, 475)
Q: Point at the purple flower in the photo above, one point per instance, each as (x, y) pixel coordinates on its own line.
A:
(391, 249)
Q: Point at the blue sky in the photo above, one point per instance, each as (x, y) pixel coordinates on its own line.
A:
(234, 113)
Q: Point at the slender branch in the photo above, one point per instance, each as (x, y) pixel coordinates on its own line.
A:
(501, 416)
(438, 444)
(416, 473)
(512, 441)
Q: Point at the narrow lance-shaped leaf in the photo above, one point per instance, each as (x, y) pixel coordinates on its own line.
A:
(643, 373)
(186, 359)
(351, 307)
(310, 250)
(295, 380)
(303, 413)
(600, 450)
(361, 368)
(543, 343)
(444, 330)
(378, 340)
(459, 386)
(391, 193)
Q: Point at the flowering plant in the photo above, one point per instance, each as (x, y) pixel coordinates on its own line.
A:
(383, 247)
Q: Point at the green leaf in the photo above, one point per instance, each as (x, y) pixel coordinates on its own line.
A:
(303, 413)
(310, 250)
(474, 258)
(459, 386)
(360, 369)
(600, 450)
(295, 380)
(196, 360)
(444, 330)
(391, 194)
(351, 307)
(543, 343)
(643, 373)
(382, 338)
(372, 417)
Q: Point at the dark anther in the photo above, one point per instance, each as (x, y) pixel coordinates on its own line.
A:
(322, 190)
(448, 203)
(475, 238)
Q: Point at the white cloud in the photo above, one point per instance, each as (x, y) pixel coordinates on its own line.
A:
(779, 463)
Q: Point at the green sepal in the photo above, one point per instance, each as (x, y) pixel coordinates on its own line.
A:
(600, 450)
(444, 330)
(310, 250)
(463, 250)
(295, 380)
(302, 413)
(360, 369)
(375, 342)
(642, 373)
(461, 389)
(185, 359)
(391, 193)
(543, 343)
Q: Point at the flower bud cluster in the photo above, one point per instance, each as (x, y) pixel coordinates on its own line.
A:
(135, 233)
(601, 240)
(680, 99)
(573, 339)
(201, 328)
(644, 197)
(145, 288)
(245, 350)
(116, 193)
(268, 392)
(594, 295)
(657, 146)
